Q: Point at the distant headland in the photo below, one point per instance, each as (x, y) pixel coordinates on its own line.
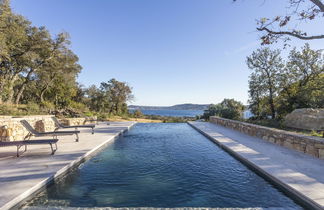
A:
(174, 107)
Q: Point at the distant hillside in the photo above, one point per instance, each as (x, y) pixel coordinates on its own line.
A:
(175, 107)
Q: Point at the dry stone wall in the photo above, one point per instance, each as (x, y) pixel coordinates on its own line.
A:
(78, 121)
(11, 129)
(307, 144)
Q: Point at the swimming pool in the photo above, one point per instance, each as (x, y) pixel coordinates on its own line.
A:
(163, 165)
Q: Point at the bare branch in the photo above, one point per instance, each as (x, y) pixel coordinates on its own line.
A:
(291, 34)
(319, 3)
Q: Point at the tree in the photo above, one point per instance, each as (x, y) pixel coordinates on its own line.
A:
(266, 65)
(301, 81)
(228, 108)
(256, 96)
(31, 58)
(138, 113)
(97, 100)
(284, 27)
(118, 93)
(63, 67)
(14, 32)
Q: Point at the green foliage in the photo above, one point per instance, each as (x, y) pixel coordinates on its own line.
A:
(276, 88)
(48, 105)
(138, 113)
(169, 119)
(302, 81)
(228, 108)
(40, 70)
(264, 80)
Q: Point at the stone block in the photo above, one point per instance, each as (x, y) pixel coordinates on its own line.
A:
(265, 138)
(319, 146)
(273, 140)
(300, 147)
(288, 144)
(321, 153)
(311, 150)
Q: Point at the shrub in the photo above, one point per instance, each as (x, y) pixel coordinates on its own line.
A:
(228, 108)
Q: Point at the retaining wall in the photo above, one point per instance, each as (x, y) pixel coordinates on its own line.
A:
(307, 144)
(11, 129)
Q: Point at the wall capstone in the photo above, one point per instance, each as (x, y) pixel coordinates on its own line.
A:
(307, 144)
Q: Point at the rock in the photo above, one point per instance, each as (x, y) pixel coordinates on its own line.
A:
(5, 133)
(306, 119)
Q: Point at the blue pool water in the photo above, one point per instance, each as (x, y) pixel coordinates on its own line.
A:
(163, 165)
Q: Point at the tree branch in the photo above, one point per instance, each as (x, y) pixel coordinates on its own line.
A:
(319, 3)
(290, 34)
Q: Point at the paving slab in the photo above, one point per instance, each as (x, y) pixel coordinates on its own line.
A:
(296, 173)
(22, 176)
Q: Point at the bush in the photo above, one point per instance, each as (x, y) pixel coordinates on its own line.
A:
(228, 108)
(138, 113)
(48, 105)
(103, 116)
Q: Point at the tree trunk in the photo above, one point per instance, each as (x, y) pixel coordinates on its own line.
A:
(43, 91)
(22, 87)
(11, 89)
(1, 91)
(20, 92)
(42, 95)
(273, 111)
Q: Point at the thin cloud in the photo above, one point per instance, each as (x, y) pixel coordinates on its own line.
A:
(243, 48)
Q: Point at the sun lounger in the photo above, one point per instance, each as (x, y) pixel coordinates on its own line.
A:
(55, 134)
(59, 125)
(25, 143)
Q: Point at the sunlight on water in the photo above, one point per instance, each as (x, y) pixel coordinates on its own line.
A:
(163, 165)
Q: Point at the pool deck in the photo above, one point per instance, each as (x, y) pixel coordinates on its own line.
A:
(298, 174)
(23, 176)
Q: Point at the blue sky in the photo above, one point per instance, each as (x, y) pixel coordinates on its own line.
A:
(169, 51)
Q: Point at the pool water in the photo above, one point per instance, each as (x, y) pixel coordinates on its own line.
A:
(163, 165)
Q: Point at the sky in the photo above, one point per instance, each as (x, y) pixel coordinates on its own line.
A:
(169, 51)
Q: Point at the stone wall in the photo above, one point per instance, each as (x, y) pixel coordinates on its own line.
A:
(307, 144)
(11, 129)
(78, 121)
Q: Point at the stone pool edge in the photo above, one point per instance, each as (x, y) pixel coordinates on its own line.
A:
(17, 202)
(291, 192)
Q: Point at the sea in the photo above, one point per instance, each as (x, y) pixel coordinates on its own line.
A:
(171, 113)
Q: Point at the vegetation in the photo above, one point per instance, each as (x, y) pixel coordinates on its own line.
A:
(277, 87)
(264, 80)
(38, 74)
(228, 108)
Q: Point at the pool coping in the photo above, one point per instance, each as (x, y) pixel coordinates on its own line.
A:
(18, 201)
(288, 190)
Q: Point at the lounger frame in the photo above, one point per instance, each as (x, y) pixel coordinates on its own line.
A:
(25, 143)
(54, 134)
(60, 125)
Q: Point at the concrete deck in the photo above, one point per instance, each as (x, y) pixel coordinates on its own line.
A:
(23, 176)
(298, 174)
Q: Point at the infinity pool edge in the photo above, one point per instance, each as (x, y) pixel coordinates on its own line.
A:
(18, 201)
(293, 193)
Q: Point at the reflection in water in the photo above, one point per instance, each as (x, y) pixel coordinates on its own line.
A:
(163, 165)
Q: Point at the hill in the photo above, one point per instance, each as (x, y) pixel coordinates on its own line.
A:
(174, 107)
